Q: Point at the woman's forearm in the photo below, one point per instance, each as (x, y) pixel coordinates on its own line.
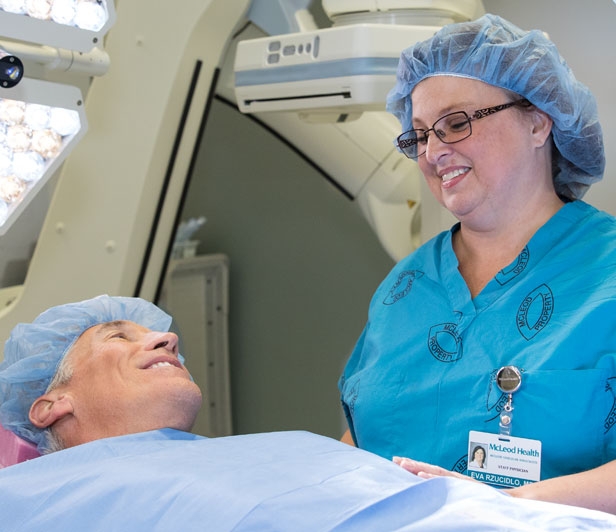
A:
(594, 489)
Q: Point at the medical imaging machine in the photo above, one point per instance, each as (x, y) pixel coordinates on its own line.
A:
(117, 203)
(115, 208)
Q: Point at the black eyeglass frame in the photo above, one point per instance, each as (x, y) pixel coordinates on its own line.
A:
(478, 114)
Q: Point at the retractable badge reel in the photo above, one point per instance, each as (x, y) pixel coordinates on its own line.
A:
(508, 380)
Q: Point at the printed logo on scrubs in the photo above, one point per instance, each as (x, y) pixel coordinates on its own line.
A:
(461, 465)
(496, 409)
(610, 420)
(402, 287)
(511, 272)
(535, 312)
(445, 343)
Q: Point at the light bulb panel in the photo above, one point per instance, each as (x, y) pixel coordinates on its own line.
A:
(40, 123)
(77, 25)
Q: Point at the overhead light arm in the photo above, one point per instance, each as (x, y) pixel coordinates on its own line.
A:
(94, 63)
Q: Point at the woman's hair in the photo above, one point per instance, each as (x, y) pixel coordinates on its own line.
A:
(478, 448)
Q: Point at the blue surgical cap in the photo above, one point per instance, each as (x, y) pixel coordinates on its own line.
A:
(495, 51)
(34, 351)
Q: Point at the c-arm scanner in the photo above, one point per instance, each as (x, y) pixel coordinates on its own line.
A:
(116, 206)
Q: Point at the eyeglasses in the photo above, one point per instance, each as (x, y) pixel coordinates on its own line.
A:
(450, 129)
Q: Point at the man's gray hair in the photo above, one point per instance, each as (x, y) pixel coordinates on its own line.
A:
(63, 376)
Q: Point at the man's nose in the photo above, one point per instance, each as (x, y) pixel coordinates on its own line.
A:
(165, 340)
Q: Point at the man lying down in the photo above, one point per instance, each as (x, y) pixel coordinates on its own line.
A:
(100, 388)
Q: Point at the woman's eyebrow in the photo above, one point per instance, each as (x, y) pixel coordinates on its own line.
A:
(458, 106)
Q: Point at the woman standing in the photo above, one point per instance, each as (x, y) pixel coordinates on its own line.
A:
(506, 324)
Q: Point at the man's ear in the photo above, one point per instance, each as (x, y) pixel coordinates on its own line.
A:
(49, 408)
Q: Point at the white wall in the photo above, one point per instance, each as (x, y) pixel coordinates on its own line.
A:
(585, 33)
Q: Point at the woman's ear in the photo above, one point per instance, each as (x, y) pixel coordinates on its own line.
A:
(49, 408)
(541, 126)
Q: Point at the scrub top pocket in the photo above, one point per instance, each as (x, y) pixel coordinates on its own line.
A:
(567, 411)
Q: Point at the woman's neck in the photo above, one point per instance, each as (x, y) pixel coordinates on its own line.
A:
(483, 251)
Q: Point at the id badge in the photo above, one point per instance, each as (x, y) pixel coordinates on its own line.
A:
(503, 461)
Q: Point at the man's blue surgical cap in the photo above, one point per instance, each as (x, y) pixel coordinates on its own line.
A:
(34, 351)
(495, 51)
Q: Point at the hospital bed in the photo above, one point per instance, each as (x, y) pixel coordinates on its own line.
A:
(284, 481)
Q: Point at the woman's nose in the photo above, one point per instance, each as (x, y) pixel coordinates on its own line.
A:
(165, 340)
(435, 148)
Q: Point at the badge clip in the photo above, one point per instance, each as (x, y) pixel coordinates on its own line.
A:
(508, 380)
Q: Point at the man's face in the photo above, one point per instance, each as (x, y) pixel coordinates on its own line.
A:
(128, 379)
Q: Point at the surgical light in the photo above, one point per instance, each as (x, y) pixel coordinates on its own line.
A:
(40, 122)
(76, 25)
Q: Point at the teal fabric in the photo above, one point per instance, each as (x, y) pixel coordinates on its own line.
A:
(278, 482)
(422, 374)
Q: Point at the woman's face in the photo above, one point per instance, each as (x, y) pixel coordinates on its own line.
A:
(483, 177)
(479, 456)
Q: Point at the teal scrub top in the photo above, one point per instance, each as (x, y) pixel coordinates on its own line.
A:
(422, 374)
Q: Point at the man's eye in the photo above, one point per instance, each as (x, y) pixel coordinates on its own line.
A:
(119, 335)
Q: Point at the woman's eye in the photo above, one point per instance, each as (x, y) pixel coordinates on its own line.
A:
(458, 126)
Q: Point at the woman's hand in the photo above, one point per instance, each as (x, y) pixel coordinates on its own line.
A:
(424, 470)
(592, 489)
